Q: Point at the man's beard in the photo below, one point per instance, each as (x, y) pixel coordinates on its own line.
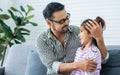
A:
(64, 29)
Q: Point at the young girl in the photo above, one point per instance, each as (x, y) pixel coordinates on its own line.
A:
(89, 48)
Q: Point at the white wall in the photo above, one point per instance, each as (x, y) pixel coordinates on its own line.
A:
(5, 4)
(80, 10)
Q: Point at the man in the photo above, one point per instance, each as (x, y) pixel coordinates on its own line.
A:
(57, 46)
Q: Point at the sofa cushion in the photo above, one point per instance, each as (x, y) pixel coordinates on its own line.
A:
(112, 67)
(34, 64)
(113, 60)
(110, 71)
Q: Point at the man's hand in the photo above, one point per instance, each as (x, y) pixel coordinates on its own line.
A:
(87, 65)
(95, 29)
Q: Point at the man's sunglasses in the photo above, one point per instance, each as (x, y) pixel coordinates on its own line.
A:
(62, 20)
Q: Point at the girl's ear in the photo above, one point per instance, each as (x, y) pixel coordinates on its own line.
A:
(49, 23)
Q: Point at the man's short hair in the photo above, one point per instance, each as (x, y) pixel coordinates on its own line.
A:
(51, 8)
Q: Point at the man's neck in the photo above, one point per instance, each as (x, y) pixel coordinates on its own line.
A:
(59, 36)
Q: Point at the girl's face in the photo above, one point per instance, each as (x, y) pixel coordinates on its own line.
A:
(84, 36)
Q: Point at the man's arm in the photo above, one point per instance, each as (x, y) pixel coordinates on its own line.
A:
(86, 65)
(96, 30)
(102, 47)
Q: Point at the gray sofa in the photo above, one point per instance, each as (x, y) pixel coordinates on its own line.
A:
(112, 67)
(24, 60)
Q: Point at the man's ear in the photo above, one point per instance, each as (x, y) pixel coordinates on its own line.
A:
(49, 23)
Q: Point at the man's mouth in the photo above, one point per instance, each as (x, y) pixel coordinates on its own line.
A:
(65, 26)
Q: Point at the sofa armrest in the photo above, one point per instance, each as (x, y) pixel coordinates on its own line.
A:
(2, 70)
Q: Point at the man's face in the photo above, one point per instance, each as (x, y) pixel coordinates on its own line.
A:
(60, 21)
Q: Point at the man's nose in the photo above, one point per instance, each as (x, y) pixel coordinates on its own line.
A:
(66, 22)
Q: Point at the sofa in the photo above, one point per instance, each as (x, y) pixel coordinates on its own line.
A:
(112, 67)
(24, 59)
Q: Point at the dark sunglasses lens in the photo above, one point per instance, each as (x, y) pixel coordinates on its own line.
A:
(63, 20)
